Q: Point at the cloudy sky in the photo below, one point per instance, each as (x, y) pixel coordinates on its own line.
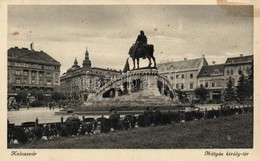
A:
(64, 32)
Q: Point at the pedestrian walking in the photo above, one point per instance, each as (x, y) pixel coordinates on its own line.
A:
(50, 105)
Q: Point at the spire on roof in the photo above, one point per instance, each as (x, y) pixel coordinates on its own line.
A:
(87, 62)
(86, 54)
(75, 62)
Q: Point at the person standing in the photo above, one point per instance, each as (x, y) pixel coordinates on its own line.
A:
(50, 105)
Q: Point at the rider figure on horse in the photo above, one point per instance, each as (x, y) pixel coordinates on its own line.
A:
(141, 41)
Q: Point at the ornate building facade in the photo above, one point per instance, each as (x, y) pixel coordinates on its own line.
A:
(81, 81)
(187, 75)
(32, 71)
(237, 65)
(212, 78)
(183, 74)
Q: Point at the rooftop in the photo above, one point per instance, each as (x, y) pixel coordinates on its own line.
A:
(32, 55)
(211, 70)
(240, 59)
(185, 64)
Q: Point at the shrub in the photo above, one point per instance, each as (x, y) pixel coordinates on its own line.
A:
(36, 103)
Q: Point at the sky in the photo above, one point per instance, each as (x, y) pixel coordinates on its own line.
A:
(108, 31)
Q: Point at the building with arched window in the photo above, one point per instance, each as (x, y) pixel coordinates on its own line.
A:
(83, 80)
(238, 65)
(32, 71)
(187, 75)
(212, 78)
(183, 74)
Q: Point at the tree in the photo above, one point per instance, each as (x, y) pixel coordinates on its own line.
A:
(63, 96)
(229, 91)
(201, 93)
(242, 88)
(182, 96)
(21, 96)
(250, 83)
(75, 96)
(40, 96)
(56, 96)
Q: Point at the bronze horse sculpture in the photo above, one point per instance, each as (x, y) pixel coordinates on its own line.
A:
(145, 51)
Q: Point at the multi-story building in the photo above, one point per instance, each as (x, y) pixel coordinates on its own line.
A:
(212, 78)
(236, 66)
(80, 81)
(183, 74)
(32, 71)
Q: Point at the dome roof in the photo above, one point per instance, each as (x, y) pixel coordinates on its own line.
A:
(74, 67)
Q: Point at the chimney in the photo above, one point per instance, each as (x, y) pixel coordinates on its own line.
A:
(241, 55)
(213, 62)
(203, 56)
(185, 59)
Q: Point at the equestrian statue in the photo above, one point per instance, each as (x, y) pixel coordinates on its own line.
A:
(142, 50)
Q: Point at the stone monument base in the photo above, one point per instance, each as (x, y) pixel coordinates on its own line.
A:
(137, 88)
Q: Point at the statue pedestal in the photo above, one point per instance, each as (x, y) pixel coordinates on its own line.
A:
(145, 87)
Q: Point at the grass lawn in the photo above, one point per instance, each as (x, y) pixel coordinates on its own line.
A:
(226, 132)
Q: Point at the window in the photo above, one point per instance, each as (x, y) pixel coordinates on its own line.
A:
(247, 70)
(177, 76)
(18, 81)
(33, 81)
(40, 75)
(18, 72)
(25, 81)
(240, 71)
(33, 74)
(171, 67)
(40, 82)
(213, 84)
(216, 71)
(191, 75)
(56, 75)
(182, 76)
(228, 72)
(25, 73)
(48, 82)
(218, 84)
(191, 85)
(232, 72)
(206, 84)
(177, 86)
(182, 86)
(48, 75)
